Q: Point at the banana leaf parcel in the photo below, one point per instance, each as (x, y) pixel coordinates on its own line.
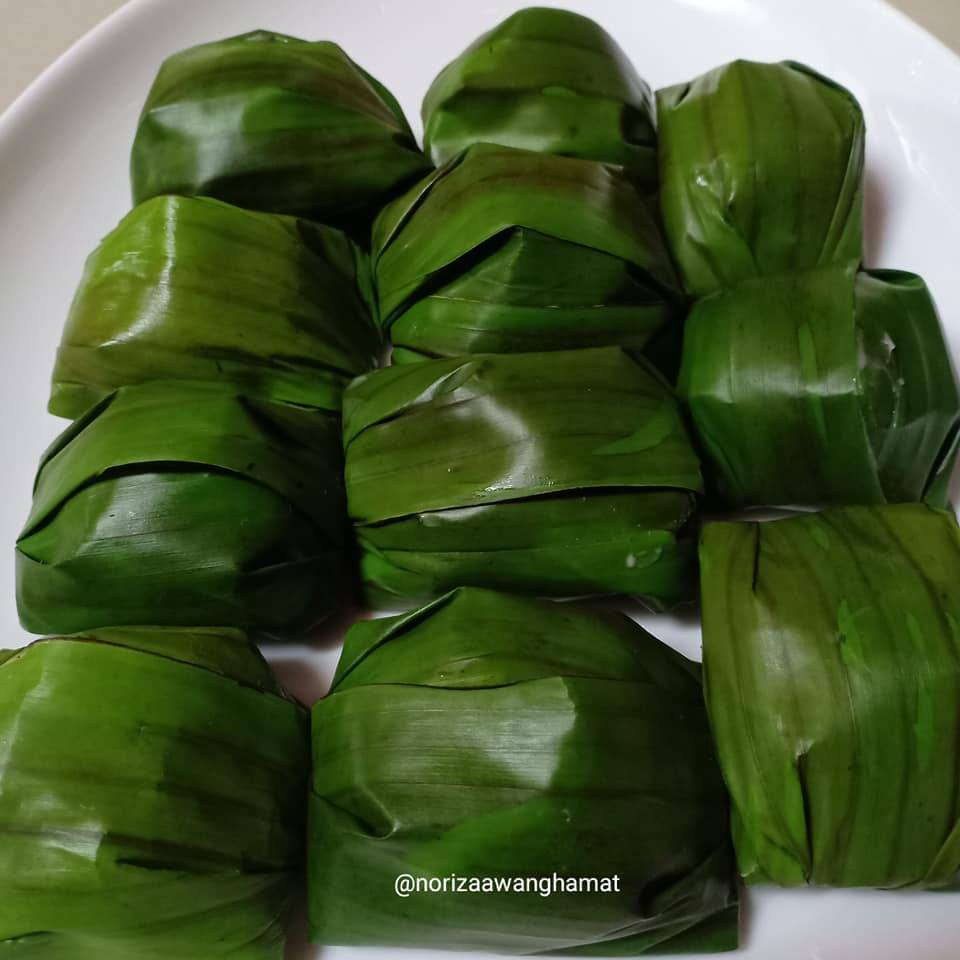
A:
(494, 736)
(564, 474)
(761, 168)
(181, 504)
(833, 684)
(274, 123)
(152, 798)
(546, 80)
(195, 289)
(831, 387)
(505, 250)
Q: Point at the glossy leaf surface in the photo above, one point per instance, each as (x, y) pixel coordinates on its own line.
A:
(827, 387)
(761, 169)
(493, 735)
(833, 682)
(504, 250)
(559, 473)
(546, 80)
(194, 289)
(274, 123)
(179, 504)
(151, 793)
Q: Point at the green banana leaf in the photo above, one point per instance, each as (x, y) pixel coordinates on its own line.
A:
(564, 473)
(833, 686)
(830, 387)
(274, 123)
(546, 80)
(152, 798)
(504, 250)
(761, 170)
(194, 289)
(487, 735)
(185, 503)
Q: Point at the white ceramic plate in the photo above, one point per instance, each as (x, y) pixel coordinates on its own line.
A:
(63, 184)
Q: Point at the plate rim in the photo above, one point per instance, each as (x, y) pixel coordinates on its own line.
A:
(19, 110)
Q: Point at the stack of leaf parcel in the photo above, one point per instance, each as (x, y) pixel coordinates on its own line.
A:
(605, 309)
(524, 438)
(204, 359)
(154, 781)
(809, 380)
(830, 639)
(207, 349)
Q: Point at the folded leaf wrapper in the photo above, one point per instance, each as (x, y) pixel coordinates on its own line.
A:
(831, 387)
(181, 504)
(761, 168)
(833, 684)
(152, 798)
(504, 250)
(561, 474)
(194, 289)
(488, 735)
(274, 123)
(545, 80)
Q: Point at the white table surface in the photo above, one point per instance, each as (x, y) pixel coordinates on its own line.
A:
(35, 32)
